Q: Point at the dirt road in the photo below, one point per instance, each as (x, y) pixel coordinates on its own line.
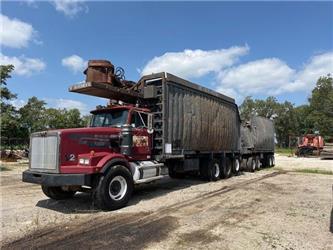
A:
(266, 209)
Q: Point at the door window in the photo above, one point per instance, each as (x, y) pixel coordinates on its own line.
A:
(139, 120)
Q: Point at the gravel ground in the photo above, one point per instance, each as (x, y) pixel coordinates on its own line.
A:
(267, 209)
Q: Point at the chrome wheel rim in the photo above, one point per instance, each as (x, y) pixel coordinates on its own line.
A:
(216, 169)
(236, 165)
(117, 188)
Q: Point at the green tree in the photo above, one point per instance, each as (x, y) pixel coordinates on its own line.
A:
(9, 115)
(32, 116)
(63, 118)
(304, 124)
(321, 106)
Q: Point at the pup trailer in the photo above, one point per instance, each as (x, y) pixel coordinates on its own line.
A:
(160, 126)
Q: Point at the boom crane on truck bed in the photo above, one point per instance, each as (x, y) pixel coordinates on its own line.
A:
(103, 81)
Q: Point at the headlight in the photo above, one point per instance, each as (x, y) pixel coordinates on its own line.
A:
(84, 161)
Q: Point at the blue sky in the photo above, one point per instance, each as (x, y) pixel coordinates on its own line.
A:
(239, 48)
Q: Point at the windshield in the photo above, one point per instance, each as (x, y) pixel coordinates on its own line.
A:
(112, 118)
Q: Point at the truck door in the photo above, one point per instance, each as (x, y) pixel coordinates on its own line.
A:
(142, 140)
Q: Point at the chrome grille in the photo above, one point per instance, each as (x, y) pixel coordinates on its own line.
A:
(44, 152)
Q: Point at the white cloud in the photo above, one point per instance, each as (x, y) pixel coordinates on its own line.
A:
(260, 76)
(24, 66)
(15, 33)
(272, 76)
(319, 65)
(67, 104)
(70, 7)
(18, 103)
(195, 63)
(75, 63)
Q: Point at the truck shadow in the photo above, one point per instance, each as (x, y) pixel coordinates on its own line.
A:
(82, 203)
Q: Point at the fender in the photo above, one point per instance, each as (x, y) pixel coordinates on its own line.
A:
(107, 161)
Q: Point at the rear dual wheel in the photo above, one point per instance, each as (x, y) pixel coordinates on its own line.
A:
(236, 166)
(216, 170)
(251, 164)
(268, 161)
(212, 172)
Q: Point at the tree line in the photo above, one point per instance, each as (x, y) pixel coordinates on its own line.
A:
(289, 120)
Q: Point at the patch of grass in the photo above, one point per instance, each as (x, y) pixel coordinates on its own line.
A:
(313, 171)
(285, 151)
(3, 168)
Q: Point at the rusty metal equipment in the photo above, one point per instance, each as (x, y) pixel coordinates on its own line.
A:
(100, 71)
(103, 80)
(309, 144)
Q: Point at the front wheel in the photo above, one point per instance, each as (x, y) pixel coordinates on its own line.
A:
(115, 188)
(57, 193)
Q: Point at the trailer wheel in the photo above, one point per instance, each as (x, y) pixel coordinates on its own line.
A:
(236, 166)
(57, 193)
(251, 164)
(257, 161)
(273, 161)
(114, 189)
(210, 170)
(215, 170)
(270, 161)
(227, 168)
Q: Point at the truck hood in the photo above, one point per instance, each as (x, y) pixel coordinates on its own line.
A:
(76, 141)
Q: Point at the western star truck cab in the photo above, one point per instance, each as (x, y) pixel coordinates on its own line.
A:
(108, 157)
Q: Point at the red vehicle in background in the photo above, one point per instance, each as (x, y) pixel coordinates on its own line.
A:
(309, 143)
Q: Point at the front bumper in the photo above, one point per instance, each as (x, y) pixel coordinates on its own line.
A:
(47, 179)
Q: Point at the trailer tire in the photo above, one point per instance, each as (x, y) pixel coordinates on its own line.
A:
(257, 160)
(214, 170)
(236, 166)
(114, 189)
(273, 161)
(270, 161)
(227, 168)
(251, 164)
(57, 193)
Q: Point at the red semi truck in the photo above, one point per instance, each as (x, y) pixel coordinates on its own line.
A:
(168, 126)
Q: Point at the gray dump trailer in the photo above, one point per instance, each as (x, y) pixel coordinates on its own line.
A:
(257, 143)
(195, 128)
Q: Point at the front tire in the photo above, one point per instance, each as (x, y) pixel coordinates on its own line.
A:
(115, 188)
(57, 193)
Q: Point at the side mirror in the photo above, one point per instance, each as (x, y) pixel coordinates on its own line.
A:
(150, 129)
